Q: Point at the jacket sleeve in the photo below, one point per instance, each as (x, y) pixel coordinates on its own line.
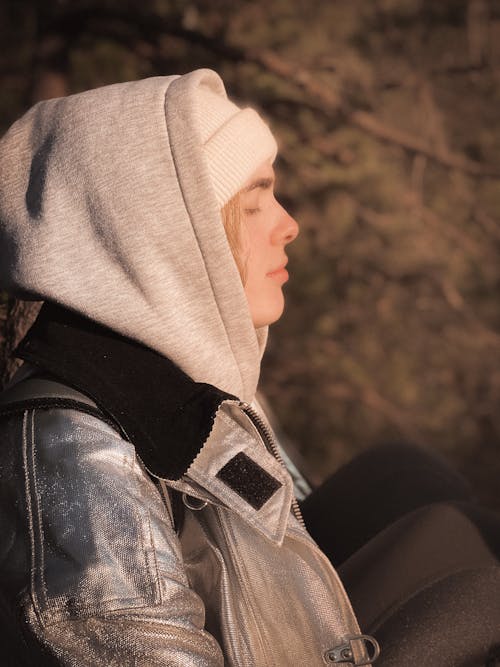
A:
(104, 577)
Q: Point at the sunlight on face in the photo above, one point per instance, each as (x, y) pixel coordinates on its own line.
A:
(267, 229)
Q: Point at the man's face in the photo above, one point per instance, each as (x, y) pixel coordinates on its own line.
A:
(266, 229)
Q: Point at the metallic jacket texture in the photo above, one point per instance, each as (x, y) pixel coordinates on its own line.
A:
(92, 564)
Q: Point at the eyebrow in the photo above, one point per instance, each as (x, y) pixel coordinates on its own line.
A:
(263, 183)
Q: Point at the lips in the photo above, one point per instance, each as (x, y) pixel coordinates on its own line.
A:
(279, 273)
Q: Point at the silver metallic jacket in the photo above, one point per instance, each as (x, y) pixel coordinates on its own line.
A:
(90, 556)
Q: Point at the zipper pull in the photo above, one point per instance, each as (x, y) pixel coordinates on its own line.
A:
(344, 654)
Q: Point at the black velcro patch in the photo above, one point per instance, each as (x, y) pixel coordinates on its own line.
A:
(249, 480)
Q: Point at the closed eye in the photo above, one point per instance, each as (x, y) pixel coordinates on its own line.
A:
(251, 211)
(260, 183)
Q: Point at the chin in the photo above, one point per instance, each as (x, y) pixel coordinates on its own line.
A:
(268, 313)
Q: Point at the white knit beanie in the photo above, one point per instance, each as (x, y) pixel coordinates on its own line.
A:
(235, 142)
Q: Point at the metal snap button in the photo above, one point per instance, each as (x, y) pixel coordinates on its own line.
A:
(344, 654)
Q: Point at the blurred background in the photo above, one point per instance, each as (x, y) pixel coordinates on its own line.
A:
(387, 118)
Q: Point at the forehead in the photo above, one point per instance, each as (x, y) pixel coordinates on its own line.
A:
(263, 174)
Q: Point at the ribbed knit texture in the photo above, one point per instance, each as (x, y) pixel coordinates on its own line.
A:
(235, 142)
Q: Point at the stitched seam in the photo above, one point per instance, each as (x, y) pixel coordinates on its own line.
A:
(43, 586)
(41, 403)
(157, 585)
(29, 512)
(166, 501)
(242, 573)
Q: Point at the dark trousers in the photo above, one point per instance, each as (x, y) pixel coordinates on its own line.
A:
(419, 558)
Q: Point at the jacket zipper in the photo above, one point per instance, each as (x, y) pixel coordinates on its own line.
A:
(271, 445)
(344, 652)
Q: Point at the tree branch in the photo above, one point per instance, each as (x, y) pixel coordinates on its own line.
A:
(364, 120)
(372, 125)
(151, 27)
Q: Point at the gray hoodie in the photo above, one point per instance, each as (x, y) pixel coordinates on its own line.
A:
(106, 208)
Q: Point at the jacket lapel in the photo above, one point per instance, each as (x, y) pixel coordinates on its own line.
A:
(238, 472)
(190, 434)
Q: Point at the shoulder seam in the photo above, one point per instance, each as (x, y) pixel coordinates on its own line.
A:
(51, 402)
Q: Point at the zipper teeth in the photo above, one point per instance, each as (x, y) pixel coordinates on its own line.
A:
(270, 443)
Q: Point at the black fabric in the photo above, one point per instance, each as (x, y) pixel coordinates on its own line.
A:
(452, 622)
(418, 557)
(249, 480)
(411, 554)
(372, 491)
(19, 647)
(159, 408)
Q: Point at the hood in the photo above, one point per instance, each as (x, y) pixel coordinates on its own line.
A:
(107, 209)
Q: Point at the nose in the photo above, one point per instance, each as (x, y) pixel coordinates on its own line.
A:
(287, 228)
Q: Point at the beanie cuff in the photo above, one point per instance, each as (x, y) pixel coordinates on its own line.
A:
(236, 150)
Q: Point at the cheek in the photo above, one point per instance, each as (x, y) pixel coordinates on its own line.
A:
(265, 301)
(245, 242)
(254, 245)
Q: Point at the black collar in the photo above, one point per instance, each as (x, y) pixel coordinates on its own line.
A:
(158, 407)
